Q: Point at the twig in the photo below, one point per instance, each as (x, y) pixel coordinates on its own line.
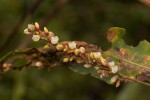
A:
(18, 52)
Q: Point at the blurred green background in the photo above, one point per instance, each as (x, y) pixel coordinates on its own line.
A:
(83, 20)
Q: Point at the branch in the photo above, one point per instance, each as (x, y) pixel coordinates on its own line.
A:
(71, 53)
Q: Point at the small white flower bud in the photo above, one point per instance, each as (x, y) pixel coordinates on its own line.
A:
(27, 32)
(54, 39)
(111, 64)
(82, 50)
(37, 26)
(87, 65)
(113, 79)
(97, 55)
(66, 60)
(76, 52)
(35, 38)
(59, 47)
(92, 55)
(114, 69)
(103, 61)
(38, 64)
(45, 30)
(72, 45)
(31, 27)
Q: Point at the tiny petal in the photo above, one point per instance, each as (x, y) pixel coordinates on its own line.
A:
(27, 32)
(37, 26)
(111, 64)
(31, 27)
(87, 65)
(114, 69)
(82, 50)
(113, 79)
(35, 38)
(54, 39)
(72, 45)
(65, 59)
(59, 47)
(45, 30)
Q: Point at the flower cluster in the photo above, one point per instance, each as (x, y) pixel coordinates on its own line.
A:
(71, 49)
(38, 34)
(73, 52)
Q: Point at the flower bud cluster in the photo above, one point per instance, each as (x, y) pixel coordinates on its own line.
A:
(67, 59)
(98, 57)
(73, 52)
(71, 46)
(38, 34)
(114, 68)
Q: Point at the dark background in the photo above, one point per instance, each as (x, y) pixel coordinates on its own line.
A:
(83, 20)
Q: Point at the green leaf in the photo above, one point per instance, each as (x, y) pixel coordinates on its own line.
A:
(115, 33)
(89, 71)
(133, 62)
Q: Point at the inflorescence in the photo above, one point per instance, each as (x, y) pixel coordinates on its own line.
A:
(74, 53)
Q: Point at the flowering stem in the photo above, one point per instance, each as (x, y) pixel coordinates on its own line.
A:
(18, 52)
